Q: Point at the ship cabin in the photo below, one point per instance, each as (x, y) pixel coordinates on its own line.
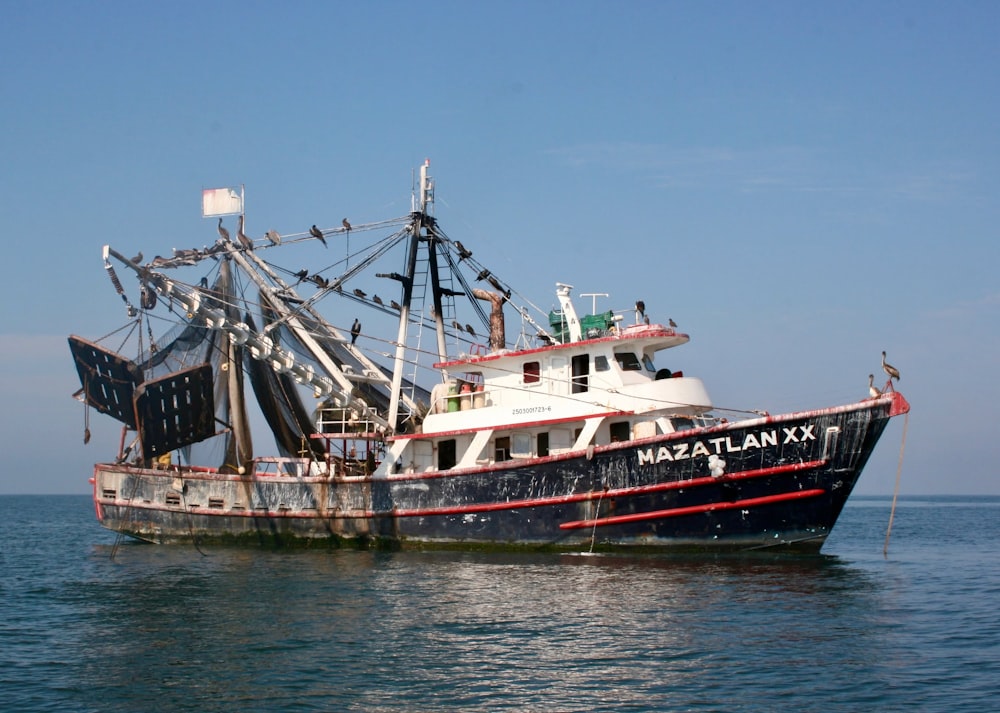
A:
(595, 384)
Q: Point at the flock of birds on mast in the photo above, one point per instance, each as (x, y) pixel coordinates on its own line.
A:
(273, 236)
(464, 253)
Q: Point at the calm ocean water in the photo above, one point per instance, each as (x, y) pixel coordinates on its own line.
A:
(178, 629)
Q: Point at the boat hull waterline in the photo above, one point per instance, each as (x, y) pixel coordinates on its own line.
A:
(768, 482)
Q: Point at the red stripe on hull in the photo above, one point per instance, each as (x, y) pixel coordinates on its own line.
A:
(616, 493)
(694, 510)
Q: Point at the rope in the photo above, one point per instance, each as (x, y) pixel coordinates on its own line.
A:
(895, 494)
(597, 515)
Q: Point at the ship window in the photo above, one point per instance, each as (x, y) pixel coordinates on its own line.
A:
(531, 372)
(647, 361)
(682, 424)
(581, 371)
(559, 440)
(620, 431)
(521, 445)
(446, 454)
(501, 449)
(542, 444)
(601, 363)
(628, 361)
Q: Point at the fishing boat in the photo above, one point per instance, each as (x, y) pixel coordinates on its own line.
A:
(569, 432)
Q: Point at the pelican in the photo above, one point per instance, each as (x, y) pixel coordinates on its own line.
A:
(346, 223)
(273, 236)
(889, 369)
(244, 240)
(872, 389)
(355, 330)
(318, 234)
(223, 233)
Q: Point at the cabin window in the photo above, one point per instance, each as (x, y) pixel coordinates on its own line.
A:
(559, 440)
(620, 431)
(521, 445)
(682, 424)
(581, 373)
(446, 454)
(644, 429)
(647, 361)
(542, 444)
(531, 372)
(422, 454)
(628, 361)
(501, 449)
(601, 363)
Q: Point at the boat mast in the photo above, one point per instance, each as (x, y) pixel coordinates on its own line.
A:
(422, 205)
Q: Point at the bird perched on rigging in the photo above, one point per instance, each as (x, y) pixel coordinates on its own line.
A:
(241, 236)
(463, 252)
(355, 330)
(301, 274)
(889, 369)
(318, 234)
(273, 236)
(395, 305)
(346, 223)
(377, 300)
(872, 389)
(360, 293)
(223, 233)
(138, 258)
(470, 330)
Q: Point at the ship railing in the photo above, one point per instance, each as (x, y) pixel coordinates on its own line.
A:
(278, 466)
(344, 421)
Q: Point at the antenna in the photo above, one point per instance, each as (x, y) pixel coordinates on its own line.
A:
(594, 295)
(426, 189)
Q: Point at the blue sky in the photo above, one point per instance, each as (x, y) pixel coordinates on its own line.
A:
(800, 185)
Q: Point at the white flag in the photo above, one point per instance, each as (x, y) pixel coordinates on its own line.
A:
(221, 201)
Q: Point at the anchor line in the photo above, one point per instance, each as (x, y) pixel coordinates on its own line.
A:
(895, 493)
